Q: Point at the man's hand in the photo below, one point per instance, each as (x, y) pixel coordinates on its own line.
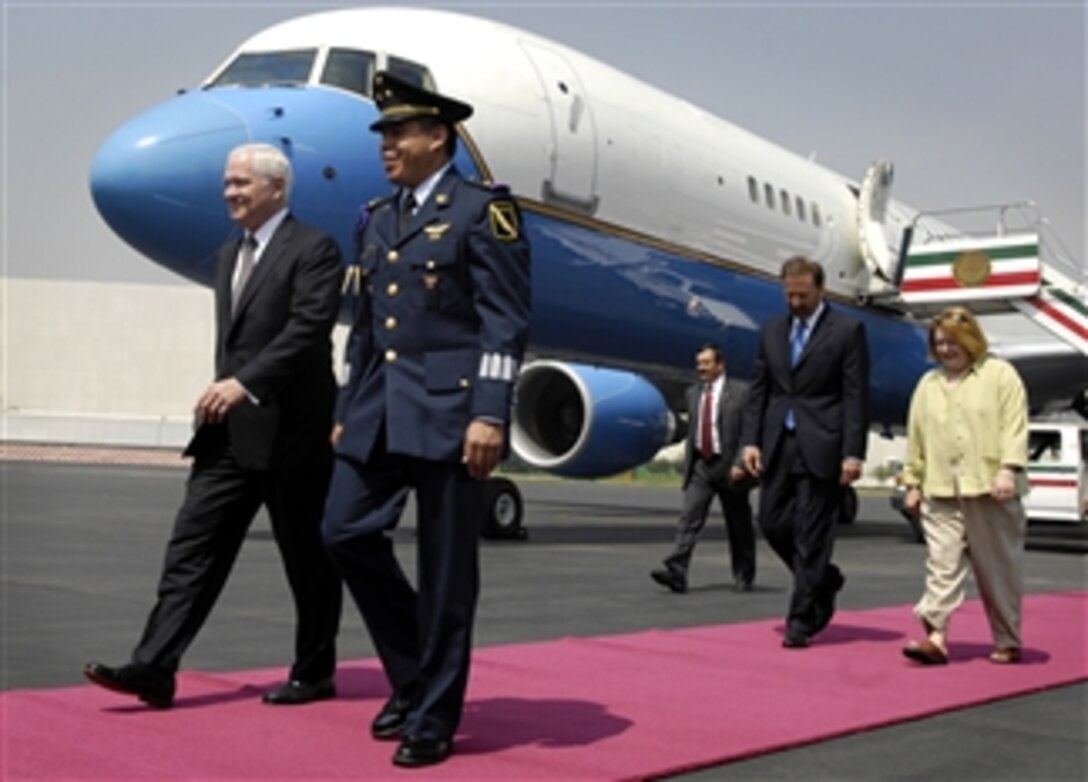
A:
(912, 501)
(483, 448)
(753, 461)
(737, 474)
(851, 471)
(334, 437)
(218, 399)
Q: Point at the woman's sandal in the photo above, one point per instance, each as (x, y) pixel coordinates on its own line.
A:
(1006, 656)
(925, 652)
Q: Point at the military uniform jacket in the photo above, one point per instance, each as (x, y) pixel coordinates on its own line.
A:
(441, 322)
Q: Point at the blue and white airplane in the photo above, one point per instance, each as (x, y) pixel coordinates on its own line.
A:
(655, 227)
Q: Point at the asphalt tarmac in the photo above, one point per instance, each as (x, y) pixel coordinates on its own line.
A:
(82, 545)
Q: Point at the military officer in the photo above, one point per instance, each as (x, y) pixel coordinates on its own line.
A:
(441, 323)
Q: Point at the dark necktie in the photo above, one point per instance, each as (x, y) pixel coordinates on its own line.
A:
(247, 259)
(407, 206)
(706, 423)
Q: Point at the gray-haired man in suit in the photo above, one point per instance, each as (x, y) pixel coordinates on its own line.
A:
(712, 467)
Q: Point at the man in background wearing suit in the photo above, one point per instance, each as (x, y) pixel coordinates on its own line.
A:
(262, 438)
(712, 466)
(805, 433)
(441, 324)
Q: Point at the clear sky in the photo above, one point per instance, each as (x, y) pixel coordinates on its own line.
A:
(975, 103)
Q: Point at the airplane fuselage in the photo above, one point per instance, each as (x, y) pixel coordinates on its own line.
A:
(654, 226)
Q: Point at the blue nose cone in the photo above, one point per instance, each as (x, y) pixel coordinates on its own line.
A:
(157, 181)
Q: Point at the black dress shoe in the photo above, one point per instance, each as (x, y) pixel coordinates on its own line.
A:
(742, 585)
(421, 752)
(153, 687)
(795, 640)
(294, 692)
(390, 720)
(670, 579)
(825, 604)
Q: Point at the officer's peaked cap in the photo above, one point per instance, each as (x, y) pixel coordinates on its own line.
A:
(400, 101)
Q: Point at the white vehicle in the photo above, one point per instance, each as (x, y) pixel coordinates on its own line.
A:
(1057, 471)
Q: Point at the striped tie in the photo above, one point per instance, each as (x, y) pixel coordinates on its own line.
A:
(247, 259)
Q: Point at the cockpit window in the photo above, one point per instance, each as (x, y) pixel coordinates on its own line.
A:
(411, 72)
(260, 69)
(350, 70)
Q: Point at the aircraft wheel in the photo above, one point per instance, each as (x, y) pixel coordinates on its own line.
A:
(503, 511)
(848, 506)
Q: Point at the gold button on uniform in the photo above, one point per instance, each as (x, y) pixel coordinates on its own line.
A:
(393, 256)
(392, 289)
(431, 264)
(465, 382)
(390, 355)
(390, 323)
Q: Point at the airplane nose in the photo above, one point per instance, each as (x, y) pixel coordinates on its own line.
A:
(157, 181)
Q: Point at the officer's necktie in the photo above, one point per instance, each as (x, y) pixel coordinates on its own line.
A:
(247, 259)
(706, 422)
(797, 346)
(407, 206)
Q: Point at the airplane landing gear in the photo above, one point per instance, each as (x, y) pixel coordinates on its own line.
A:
(503, 511)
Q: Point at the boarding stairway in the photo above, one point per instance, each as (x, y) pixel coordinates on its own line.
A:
(1016, 263)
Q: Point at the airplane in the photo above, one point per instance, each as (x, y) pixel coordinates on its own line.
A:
(654, 226)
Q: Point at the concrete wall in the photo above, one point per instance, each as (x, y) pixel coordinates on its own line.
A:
(103, 363)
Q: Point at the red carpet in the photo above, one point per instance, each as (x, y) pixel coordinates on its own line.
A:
(618, 707)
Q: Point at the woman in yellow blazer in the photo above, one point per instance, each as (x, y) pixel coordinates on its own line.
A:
(967, 434)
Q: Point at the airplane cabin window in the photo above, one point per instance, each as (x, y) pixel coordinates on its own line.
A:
(262, 69)
(815, 214)
(351, 70)
(800, 209)
(411, 72)
(768, 195)
(785, 201)
(753, 189)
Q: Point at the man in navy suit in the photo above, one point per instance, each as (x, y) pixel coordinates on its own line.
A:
(442, 318)
(262, 439)
(712, 466)
(805, 434)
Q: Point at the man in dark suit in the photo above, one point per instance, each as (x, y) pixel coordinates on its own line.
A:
(712, 466)
(262, 439)
(805, 433)
(441, 324)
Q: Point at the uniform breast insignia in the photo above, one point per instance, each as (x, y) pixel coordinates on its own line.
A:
(434, 232)
(503, 217)
(430, 281)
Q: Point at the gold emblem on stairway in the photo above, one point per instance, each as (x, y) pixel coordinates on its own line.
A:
(971, 268)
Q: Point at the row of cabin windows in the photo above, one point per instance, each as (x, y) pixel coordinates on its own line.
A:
(348, 69)
(795, 205)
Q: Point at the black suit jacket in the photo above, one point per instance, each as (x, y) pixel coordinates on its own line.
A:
(277, 344)
(731, 405)
(828, 391)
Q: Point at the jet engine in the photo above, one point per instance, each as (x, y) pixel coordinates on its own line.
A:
(587, 422)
